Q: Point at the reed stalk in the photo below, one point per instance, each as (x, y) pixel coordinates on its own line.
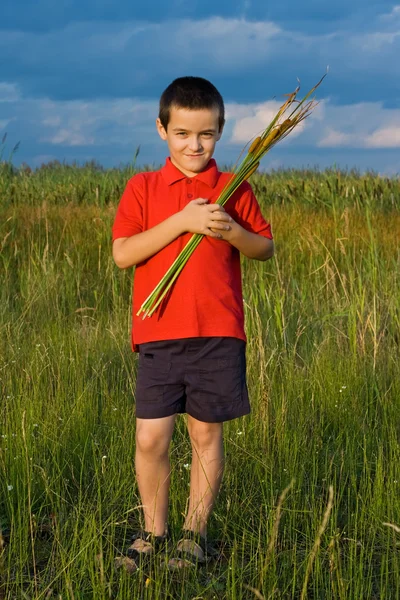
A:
(295, 112)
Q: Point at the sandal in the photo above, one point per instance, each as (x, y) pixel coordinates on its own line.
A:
(191, 550)
(144, 545)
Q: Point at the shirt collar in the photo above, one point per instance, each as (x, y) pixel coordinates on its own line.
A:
(209, 175)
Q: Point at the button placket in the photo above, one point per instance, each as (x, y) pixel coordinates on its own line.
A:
(189, 195)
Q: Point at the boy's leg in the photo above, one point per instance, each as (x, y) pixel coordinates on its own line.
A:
(153, 437)
(206, 472)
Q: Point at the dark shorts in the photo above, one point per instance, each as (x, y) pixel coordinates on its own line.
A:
(203, 377)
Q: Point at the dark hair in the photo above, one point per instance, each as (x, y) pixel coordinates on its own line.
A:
(193, 93)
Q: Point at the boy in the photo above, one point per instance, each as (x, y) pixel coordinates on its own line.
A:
(192, 350)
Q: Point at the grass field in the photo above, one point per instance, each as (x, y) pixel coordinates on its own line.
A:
(311, 492)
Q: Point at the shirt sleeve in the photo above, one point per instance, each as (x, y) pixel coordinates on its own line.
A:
(246, 211)
(129, 216)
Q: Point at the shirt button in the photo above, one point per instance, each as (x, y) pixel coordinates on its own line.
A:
(190, 195)
(188, 181)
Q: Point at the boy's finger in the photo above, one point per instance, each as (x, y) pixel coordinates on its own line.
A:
(220, 225)
(214, 234)
(222, 217)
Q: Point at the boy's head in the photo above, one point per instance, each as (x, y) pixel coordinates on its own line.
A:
(193, 93)
(191, 120)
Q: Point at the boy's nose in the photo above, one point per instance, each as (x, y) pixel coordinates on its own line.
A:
(194, 144)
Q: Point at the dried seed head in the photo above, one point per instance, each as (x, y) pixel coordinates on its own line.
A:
(285, 125)
(254, 145)
(270, 137)
(250, 173)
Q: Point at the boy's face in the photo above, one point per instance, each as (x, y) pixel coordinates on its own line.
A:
(191, 136)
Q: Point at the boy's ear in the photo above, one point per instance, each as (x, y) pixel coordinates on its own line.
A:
(161, 131)
(219, 135)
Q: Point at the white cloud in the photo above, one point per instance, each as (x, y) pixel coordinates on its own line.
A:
(51, 121)
(251, 119)
(373, 43)
(9, 92)
(117, 126)
(66, 137)
(97, 122)
(74, 123)
(4, 123)
(333, 139)
(363, 125)
(389, 17)
(227, 42)
(386, 137)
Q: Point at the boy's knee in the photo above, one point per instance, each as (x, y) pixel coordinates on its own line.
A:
(205, 434)
(148, 442)
(154, 435)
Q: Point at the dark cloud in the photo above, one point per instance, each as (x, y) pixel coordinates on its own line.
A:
(247, 61)
(98, 54)
(46, 15)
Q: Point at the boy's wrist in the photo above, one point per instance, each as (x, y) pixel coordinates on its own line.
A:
(234, 234)
(177, 223)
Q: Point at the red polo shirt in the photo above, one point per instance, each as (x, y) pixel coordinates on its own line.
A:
(206, 299)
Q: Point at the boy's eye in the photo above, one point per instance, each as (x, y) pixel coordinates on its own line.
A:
(206, 134)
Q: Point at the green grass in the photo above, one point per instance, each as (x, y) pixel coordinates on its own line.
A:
(323, 322)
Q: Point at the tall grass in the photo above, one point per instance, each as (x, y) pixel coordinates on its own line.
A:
(323, 325)
(90, 184)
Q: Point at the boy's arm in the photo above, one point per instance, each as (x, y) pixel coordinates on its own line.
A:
(250, 244)
(249, 233)
(129, 251)
(197, 217)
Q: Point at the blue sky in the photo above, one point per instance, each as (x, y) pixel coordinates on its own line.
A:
(81, 80)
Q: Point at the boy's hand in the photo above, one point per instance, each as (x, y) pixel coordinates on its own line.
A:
(199, 216)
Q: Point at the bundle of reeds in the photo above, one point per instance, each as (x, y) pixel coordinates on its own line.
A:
(289, 115)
